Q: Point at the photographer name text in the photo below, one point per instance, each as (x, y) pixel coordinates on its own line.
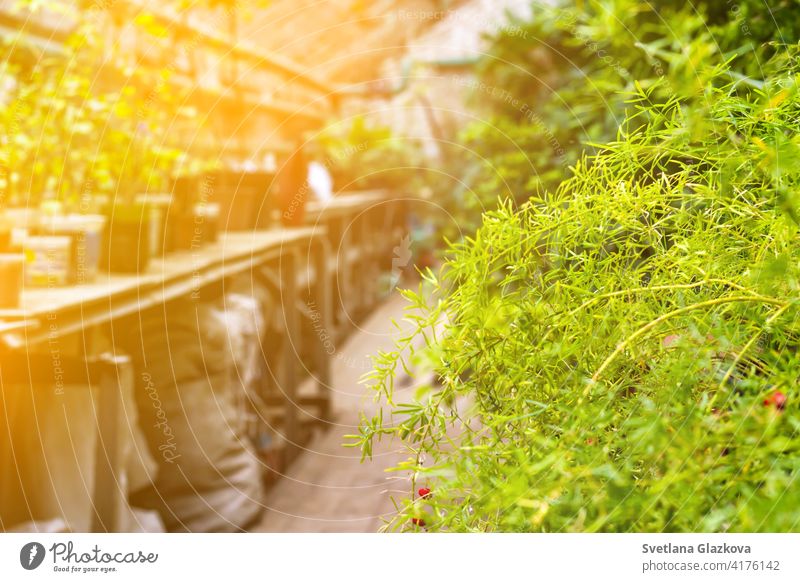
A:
(704, 548)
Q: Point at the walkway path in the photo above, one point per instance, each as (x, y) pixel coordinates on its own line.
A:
(328, 489)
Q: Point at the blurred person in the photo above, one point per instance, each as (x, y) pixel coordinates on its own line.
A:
(320, 180)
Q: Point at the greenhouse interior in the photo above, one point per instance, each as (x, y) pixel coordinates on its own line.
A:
(302, 266)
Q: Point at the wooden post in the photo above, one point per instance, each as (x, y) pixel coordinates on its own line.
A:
(288, 276)
(109, 493)
(349, 293)
(369, 255)
(340, 287)
(106, 373)
(321, 296)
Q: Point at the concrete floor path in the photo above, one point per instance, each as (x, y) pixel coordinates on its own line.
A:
(328, 488)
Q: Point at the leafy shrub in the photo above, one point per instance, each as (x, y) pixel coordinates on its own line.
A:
(364, 156)
(622, 354)
(571, 66)
(80, 121)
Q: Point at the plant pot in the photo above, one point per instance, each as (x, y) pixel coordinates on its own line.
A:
(160, 205)
(21, 222)
(185, 190)
(180, 220)
(241, 197)
(11, 274)
(86, 233)
(48, 260)
(180, 232)
(207, 215)
(127, 246)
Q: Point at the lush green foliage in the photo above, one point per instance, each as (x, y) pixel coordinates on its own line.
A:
(363, 156)
(83, 119)
(570, 67)
(609, 353)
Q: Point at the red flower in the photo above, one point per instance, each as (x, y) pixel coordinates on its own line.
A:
(776, 399)
(424, 492)
(418, 521)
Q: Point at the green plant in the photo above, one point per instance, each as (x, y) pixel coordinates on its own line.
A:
(564, 72)
(364, 155)
(75, 128)
(608, 355)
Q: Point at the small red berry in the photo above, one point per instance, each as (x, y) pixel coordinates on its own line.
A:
(424, 492)
(776, 399)
(418, 522)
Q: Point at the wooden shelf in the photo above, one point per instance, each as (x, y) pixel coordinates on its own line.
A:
(48, 313)
(346, 203)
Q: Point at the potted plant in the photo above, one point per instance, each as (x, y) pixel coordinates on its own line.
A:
(159, 205)
(127, 243)
(180, 234)
(239, 196)
(86, 233)
(139, 163)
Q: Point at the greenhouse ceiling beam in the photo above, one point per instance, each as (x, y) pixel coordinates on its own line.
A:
(261, 57)
(235, 97)
(31, 27)
(53, 40)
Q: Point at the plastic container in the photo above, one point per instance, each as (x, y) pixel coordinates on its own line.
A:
(180, 218)
(86, 232)
(128, 239)
(11, 275)
(159, 205)
(47, 260)
(185, 192)
(207, 215)
(22, 221)
(241, 197)
(180, 231)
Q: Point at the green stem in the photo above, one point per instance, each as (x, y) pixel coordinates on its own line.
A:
(658, 288)
(661, 319)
